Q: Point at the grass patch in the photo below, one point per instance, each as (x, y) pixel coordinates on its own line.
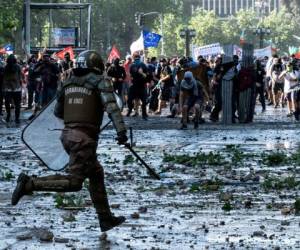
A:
(227, 206)
(197, 159)
(275, 158)
(273, 183)
(62, 201)
(128, 159)
(209, 186)
(237, 155)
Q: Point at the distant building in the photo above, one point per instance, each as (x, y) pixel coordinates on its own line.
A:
(225, 8)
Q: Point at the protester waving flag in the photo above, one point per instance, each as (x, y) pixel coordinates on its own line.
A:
(114, 53)
(61, 54)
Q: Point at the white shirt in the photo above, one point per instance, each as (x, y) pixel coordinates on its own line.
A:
(289, 81)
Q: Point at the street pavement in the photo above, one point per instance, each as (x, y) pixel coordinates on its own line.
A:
(221, 203)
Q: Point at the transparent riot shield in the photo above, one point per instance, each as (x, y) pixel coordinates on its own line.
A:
(42, 137)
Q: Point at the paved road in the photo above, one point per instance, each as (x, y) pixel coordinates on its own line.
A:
(177, 212)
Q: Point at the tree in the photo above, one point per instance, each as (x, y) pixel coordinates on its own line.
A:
(283, 26)
(173, 44)
(10, 20)
(208, 27)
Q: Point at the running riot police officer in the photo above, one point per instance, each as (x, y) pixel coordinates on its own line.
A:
(84, 96)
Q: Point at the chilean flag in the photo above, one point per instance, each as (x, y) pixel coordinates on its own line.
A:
(61, 54)
(114, 53)
(7, 49)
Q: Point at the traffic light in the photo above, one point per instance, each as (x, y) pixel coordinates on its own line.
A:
(142, 19)
(137, 16)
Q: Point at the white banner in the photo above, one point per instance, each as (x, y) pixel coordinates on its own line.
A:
(258, 53)
(207, 50)
(261, 53)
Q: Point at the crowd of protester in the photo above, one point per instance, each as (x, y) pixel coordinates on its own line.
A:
(154, 85)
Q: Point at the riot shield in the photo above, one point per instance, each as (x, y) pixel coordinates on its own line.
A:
(42, 137)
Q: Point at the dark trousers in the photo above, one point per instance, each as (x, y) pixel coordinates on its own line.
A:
(47, 95)
(260, 91)
(137, 93)
(83, 164)
(32, 92)
(218, 102)
(118, 88)
(16, 97)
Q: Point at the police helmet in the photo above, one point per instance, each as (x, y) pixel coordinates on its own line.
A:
(90, 59)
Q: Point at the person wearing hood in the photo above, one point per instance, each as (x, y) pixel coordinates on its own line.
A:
(118, 75)
(190, 96)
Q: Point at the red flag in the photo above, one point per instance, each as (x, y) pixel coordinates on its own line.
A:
(61, 54)
(114, 53)
(297, 55)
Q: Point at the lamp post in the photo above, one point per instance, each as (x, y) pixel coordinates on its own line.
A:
(140, 20)
(262, 32)
(187, 34)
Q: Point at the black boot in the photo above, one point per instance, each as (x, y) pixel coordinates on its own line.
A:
(110, 221)
(7, 119)
(22, 188)
(183, 127)
(297, 114)
(129, 112)
(196, 125)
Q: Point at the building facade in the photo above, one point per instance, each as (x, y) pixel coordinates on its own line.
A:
(226, 8)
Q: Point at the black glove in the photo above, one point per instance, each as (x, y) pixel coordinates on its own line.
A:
(122, 138)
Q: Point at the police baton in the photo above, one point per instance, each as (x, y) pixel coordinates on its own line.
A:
(151, 171)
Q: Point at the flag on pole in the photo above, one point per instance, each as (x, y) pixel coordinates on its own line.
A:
(61, 54)
(114, 53)
(242, 37)
(151, 39)
(297, 55)
(146, 40)
(137, 45)
(7, 49)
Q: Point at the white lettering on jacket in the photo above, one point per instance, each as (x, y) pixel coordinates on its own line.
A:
(80, 90)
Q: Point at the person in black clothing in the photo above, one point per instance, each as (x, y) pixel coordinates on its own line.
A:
(32, 84)
(166, 83)
(235, 88)
(118, 75)
(49, 73)
(217, 88)
(138, 90)
(11, 86)
(260, 84)
(67, 63)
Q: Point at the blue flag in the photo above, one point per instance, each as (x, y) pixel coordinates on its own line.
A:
(151, 39)
(8, 48)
